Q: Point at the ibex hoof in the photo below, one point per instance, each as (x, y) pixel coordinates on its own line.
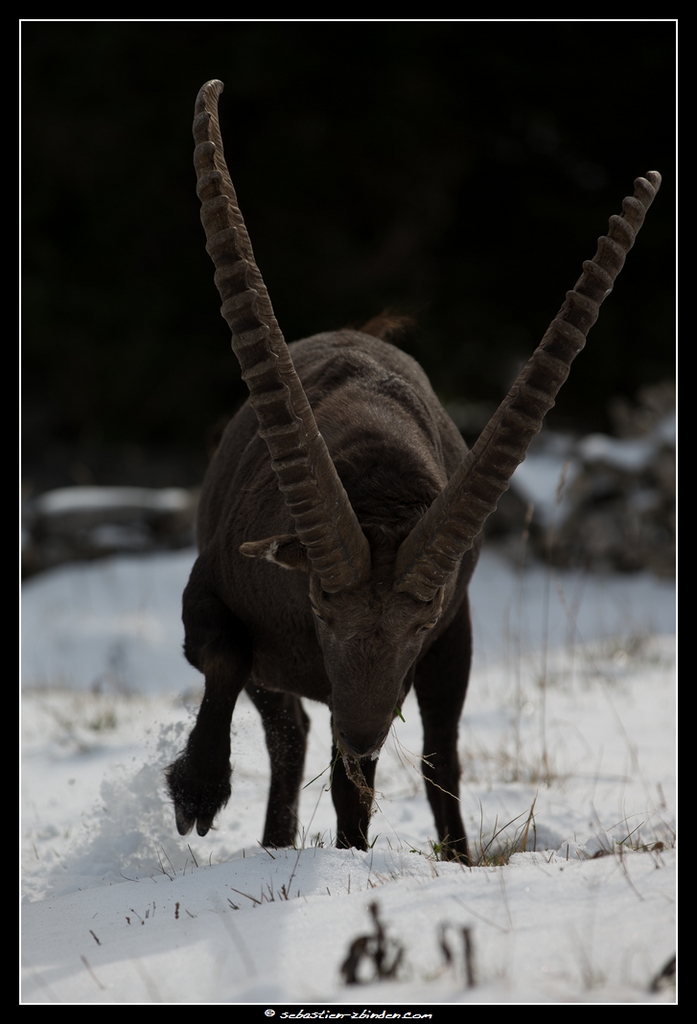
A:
(455, 850)
(196, 802)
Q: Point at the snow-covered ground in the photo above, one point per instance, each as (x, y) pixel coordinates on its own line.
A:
(568, 751)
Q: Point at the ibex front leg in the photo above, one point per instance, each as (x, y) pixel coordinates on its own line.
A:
(217, 644)
(353, 796)
(441, 685)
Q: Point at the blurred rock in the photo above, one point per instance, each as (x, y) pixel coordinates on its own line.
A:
(599, 502)
(75, 523)
(612, 505)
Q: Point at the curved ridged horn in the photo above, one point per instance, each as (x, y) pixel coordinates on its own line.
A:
(432, 551)
(324, 520)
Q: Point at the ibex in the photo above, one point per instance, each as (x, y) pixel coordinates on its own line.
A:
(344, 470)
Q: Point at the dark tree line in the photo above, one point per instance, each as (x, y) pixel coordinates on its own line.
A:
(456, 171)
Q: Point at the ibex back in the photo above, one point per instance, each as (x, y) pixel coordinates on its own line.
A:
(344, 470)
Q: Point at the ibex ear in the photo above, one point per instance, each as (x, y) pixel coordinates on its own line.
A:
(285, 550)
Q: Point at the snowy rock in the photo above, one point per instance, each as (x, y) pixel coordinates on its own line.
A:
(602, 502)
(76, 523)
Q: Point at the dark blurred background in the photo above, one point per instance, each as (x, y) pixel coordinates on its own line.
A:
(460, 172)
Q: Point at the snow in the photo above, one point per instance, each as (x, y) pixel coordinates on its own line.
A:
(629, 454)
(568, 752)
(69, 499)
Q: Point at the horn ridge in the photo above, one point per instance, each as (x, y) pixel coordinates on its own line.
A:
(314, 495)
(433, 550)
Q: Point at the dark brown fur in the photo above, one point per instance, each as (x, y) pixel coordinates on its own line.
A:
(248, 624)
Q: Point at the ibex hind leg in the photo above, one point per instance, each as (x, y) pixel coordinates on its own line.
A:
(353, 796)
(286, 726)
(218, 645)
(441, 685)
